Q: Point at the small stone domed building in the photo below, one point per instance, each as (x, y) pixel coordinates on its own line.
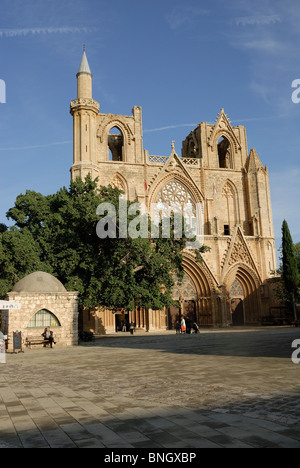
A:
(44, 302)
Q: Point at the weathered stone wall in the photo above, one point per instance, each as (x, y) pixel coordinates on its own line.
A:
(62, 305)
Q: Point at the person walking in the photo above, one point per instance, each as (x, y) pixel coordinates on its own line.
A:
(131, 328)
(183, 325)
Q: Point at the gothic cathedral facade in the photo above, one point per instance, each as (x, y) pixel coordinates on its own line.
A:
(231, 286)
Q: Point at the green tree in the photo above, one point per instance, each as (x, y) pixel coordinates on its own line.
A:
(121, 272)
(290, 272)
(297, 250)
(19, 256)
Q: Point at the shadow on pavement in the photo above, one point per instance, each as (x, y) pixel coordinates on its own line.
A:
(260, 343)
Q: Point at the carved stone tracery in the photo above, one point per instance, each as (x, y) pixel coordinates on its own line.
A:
(236, 289)
(175, 194)
(184, 290)
(118, 183)
(228, 191)
(239, 253)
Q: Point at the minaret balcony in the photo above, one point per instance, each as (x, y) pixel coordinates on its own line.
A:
(84, 102)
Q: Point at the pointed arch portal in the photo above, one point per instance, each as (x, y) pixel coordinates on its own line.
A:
(244, 302)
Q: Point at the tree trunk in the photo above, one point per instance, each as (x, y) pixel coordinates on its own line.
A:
(294, 306)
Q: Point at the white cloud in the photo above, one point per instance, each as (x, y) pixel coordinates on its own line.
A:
(182, 16)
(47, 145)
(259, 20)
(43, 31)
(264, 45)
(169, 127)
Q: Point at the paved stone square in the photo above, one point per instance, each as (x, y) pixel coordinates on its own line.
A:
(222, 388)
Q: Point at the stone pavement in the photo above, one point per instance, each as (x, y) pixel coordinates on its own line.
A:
(222, 388)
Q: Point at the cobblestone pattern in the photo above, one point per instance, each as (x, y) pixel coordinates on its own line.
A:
(217, 389)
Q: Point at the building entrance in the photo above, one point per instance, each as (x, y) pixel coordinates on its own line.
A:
(237, 311)
(121, 320)
(173, 317)
(189, 313)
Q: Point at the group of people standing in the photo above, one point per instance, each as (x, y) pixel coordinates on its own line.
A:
(126, 326)
(186, 326)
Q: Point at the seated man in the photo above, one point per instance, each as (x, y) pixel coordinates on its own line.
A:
(48, 336)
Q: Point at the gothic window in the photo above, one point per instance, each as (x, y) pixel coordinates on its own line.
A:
(174, 197)
(42, 319)
(270, 258)
(230, 214)
(185, 289)
(115, 144)
(236, 289)
(118, 183)
(224, 154)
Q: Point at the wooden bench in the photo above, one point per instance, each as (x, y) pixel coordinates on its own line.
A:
(33, 340)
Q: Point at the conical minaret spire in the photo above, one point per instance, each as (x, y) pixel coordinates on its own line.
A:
(84, 79)
(84, 65)
(84, 110)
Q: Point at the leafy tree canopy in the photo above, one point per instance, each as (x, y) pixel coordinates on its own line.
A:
(57, 234)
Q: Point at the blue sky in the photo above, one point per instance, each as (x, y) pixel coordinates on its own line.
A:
(182, 61)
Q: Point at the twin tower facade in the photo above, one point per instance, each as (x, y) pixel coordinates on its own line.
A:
(215, 169)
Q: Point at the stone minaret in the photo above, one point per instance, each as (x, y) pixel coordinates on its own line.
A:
(84, 111)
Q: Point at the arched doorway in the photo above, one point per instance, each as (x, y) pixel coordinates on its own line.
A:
(194, 294)
(237, 312)
(204, 309)
(237, 303)
(244, 298)
(185, 293)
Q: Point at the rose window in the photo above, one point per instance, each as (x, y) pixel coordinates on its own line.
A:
(175, 195)
(175, 198)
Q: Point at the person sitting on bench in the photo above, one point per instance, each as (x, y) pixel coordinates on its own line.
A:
(48, 336)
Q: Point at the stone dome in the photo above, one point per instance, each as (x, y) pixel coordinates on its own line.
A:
(39, 282)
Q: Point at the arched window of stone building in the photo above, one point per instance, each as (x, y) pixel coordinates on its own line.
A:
(42, 319)
(231, 210)
(175, 197)
(224, 153)
(270, 259)
(115, 144)
(236, 289)
(184, 289)
(118, 182)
